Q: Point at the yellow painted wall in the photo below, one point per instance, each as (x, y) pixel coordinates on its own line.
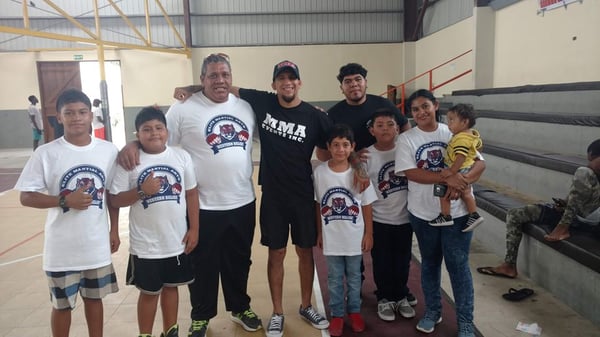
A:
(536, 49)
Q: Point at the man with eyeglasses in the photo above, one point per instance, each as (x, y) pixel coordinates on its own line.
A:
(216, 128)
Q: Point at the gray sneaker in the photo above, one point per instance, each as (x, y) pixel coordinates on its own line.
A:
(247, 319)
(313, 317)
(386, 310)
(404, 309)
(275, 326)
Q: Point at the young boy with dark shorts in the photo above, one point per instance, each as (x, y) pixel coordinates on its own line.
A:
(69, 177)
(161, 190)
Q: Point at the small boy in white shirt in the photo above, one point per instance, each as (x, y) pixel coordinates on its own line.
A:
(345, 228)
(161, 190)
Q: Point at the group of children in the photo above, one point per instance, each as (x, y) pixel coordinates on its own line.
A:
(76, 178)
(347, 216)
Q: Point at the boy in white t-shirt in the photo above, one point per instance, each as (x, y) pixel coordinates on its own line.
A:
(392, 233)
(69, 176)
(161, 190)
(345, 228)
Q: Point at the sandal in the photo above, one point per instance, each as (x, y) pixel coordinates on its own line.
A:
(515, 295)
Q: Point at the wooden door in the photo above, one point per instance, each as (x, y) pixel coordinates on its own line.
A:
(54, 77)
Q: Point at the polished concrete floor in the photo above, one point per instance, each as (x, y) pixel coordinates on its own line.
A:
(25, 307)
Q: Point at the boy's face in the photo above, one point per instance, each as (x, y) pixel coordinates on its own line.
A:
(76, 118)
(340, 148)
(153, 136)
(384, 129)
(455, 123)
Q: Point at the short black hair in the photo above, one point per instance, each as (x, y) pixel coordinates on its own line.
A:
(340, 131)
(351, 69)
(381, 112)
(464, 111)
(32, 98)
(96, 102)
(72, 96)
(594, 149)
(147, 114)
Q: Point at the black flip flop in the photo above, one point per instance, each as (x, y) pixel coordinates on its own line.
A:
(515, 295)
(490, 272)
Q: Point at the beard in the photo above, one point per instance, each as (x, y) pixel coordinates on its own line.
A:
(288, 99)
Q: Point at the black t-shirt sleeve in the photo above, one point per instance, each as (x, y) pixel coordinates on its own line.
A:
(325, 124)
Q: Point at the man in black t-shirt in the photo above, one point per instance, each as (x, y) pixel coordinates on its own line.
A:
(358, 106)
(289, 131)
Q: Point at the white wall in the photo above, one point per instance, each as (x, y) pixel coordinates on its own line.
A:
(435, 49)
(536, 49)
(252, 67)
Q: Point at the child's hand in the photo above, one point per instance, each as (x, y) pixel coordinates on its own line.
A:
(367, 243)
(320, 241)
(151, 185)
(190, 240)
(115, 242)
(79, 199)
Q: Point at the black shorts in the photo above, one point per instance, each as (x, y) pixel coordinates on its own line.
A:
(151, 275)
(280, 214)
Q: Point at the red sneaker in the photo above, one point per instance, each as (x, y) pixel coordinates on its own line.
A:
(358, 324)
(336, 326)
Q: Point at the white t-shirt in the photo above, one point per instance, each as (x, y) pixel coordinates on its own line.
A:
(425, 150)
(342, 220)
(218, 137)
(391, 188)
(157, 224)
(74, 239)
(97, 112)
(37, 114)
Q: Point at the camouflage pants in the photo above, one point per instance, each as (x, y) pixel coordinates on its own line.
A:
(515, 219)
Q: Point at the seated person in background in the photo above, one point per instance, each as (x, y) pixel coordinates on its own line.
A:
(460, 156)
(582, 201)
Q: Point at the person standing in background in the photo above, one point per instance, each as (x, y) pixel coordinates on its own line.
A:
(98, 121)
(35, 119)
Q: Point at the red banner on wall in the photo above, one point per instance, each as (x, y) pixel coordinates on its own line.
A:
(546, 5)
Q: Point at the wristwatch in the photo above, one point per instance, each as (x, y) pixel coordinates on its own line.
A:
(62, 202)
(141, 193)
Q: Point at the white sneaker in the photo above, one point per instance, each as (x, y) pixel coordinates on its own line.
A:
(386, 310)
(404, 309)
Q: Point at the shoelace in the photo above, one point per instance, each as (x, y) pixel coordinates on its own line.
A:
(198, 325)
(275, 323)
(313, 315)
(249, 313)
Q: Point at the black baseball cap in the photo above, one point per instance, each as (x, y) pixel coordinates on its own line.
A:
(283, 66)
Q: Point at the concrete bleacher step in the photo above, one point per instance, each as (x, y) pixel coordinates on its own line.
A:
(539, 174)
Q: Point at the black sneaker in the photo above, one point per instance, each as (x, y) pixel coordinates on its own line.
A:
(442, 220)
(313, 317)
(474, 220)
(247, 319)
(275, 326)
(412, 300)
(173, 332)
(198, 328)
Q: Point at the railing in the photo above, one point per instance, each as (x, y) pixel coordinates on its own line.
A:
(429, 73)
